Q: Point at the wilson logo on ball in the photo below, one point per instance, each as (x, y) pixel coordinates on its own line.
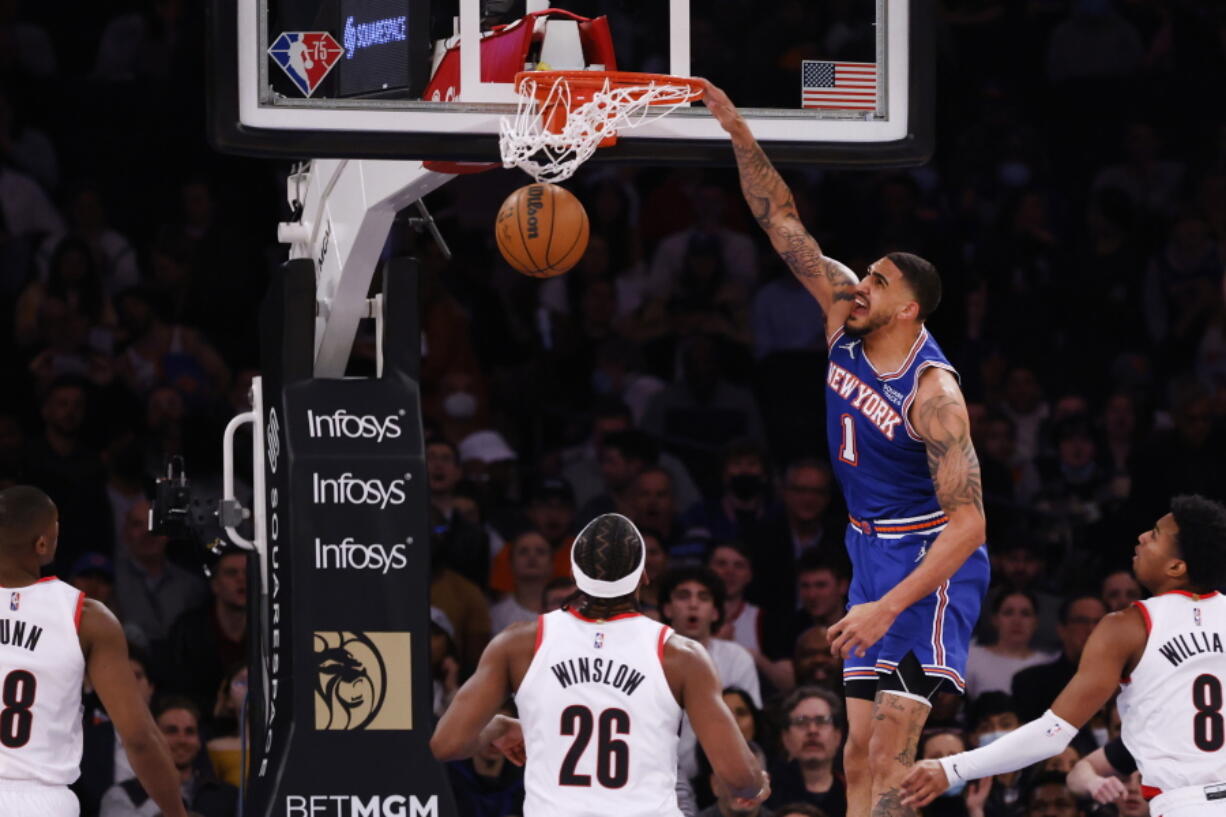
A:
(534, 206)
(542, 230)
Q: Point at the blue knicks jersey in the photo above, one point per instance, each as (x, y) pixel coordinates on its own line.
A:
(879, 459)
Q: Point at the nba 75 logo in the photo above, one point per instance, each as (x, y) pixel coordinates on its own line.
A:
(363, 680)
(306, 57)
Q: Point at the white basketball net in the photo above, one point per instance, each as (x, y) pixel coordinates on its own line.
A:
(554, 157)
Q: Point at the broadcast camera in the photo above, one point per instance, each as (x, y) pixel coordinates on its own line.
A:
(180, 516)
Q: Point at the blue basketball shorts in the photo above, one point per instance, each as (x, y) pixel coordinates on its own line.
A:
(937, 628)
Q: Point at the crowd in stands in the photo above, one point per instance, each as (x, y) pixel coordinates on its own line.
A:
(1076, 208)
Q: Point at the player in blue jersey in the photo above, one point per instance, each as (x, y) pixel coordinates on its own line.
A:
(901, 447)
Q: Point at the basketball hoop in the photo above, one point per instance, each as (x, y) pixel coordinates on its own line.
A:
(563, 116)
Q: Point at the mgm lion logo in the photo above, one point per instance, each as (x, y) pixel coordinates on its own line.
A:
(362, 680)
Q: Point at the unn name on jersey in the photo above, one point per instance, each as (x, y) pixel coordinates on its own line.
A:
(19, 633)
(864, 398)
(1182, 647)
(597, 671)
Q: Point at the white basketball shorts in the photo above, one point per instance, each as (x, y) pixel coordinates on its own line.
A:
(28, 799)
(1191, 801)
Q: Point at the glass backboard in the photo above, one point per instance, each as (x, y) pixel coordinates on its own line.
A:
(836, 82)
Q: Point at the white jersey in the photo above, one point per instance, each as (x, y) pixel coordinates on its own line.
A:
(599, 720)
(1172, 706)
(41, 672)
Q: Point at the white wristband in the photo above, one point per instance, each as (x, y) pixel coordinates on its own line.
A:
(1044, 737)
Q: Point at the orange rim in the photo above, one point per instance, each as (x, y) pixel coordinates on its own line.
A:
(584, 83)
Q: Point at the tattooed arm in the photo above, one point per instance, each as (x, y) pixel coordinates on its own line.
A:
(939, 416)
(771, 202)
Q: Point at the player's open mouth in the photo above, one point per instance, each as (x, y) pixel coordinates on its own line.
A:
(861, 306)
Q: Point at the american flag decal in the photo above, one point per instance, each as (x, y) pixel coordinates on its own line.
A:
(838, 85)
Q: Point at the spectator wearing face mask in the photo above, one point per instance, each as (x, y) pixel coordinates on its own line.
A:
(1074, 491)
(994, 714)
(740, 509)
(961, 799)
(459, 405)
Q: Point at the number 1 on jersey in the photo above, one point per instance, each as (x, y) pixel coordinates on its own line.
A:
(847, 448)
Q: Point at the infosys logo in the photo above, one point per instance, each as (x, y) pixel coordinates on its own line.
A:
(349, 490)
(350, 555)
(355, 805)
(341, 425)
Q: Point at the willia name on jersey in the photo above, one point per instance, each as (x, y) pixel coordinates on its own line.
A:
(19, 633)
(597, 671)
(1184, 646)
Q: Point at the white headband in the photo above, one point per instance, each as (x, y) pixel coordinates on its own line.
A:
(614, 589)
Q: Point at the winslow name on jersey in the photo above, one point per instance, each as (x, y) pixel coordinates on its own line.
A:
(600, 722)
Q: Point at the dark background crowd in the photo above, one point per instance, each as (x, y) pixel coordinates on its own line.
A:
(1076, 208)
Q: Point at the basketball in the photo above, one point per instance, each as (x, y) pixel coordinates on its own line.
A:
(542, 230)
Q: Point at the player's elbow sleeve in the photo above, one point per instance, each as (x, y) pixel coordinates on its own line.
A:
(1044, 737)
